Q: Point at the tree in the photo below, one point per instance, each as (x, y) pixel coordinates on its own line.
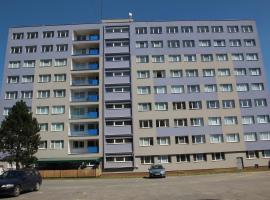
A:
(19, 136)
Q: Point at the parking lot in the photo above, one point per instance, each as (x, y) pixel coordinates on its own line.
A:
(252, 185)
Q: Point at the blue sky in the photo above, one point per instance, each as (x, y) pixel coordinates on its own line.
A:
(38, 12)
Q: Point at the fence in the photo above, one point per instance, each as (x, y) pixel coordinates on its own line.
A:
(80, 173)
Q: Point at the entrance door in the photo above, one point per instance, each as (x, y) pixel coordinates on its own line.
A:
(239, 162)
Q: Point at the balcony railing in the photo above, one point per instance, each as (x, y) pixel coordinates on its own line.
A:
(89, 115)
(81, 52)
(92, 149)
(92, 37)
(89, 132)
(90, 82)
(88, 98)
(86, 66)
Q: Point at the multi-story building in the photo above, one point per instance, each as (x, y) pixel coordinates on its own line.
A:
(127, 94)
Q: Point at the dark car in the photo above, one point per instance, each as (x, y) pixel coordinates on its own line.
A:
(157, 171)
(13, 182)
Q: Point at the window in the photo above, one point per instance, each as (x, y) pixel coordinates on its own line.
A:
(57, 144)
(46, 63)
(59, 77)
(146, 141)
(118, 140)
(208, 72)
(177, 89)
(16, 50)
(117, 58)
(188, 43)
(181, 105)
(230, 120)
(247, 29)
(263, 119)
(189, 58)
(257, 87)
(118, 159)
(48, 34)
(219, 43)
(118, 89)
(42, 144)
(199, 157)
(247, 120)
(155, 30)
(29, 63)
(31, 49)
(162, 123)
(235, 43)
(183, 158)
(264, 135)
(17, 36)
(157, 44)
(210, 88)
(180, 122)
(221, 57)
(225, 87)
(42, 110)
(160, 89)
(142, 59)
(159, 74)
(146, 123)
(44, 78)
(250, 42)
(223, 72)
(163, 159)
(43, 94)
(181, 140)
(252, 154)
(218, 156)
(115, 29)
(57, 127)
(60, 62)
(232, 137)
(214, 121)
(141, 30)
(173, 43)
(250, 137)
(196, 121)
(143, 107)
(61, 47)
(163, 140)
(242, 87)
(252, 57)
(161, 106)
(227, 104)
(46, 48)
(172, 29)
(59, 93)
(56, 110)
(187, 29)
(13, 79)
(207, 58)
(176, 73)
(11, 95)
(143, 74)
(27, 79)
(32, 35)
(78, 144)
(14, 64)
(237, 57)
(193, 88)
(233, 29)
(62, 33)
(195, 105)
(143, 90)
(6, 111)
(266, 153)
(158, 58)
(260, 102)
(27, 94)
(212, 104)
(217, 29)
(240, 72)
(118, 123)
(204, 43)
(147, 160)
(117, 43)
(192, 73)
(141, 44)
(216, 138)
(255, 71)
(202, 29)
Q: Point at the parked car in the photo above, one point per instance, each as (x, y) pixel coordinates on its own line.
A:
(157, 171)
(13, 182)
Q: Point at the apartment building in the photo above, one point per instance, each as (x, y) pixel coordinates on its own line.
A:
(125, 94)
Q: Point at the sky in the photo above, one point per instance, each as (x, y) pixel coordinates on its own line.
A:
(40, 12)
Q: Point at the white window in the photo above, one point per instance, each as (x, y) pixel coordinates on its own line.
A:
(181, 140)
(255, 71)
(163, 140)
(141, 44)
(221, 57)
(174, 58)
(189, 58)
(212, 104)
(232, 137)
(196, 122)
(46, 48)
(160, 89)
(192, 73)
(218, 156)
(163, 159)
(223, 72)
(61, 47)
(219, 43)
(216, 138)
(242, 87)
(162, 123)
(266, 153)
(228, 104)
(181, 105)
(141, 30)
(208, 72)
(43, 127)
(172, 29)
(17, 36)
(30, 49)
(60, 62)
(207, 57)
(247, 29)
(158, 58)
(27, 79)
(155, 30)
(230, 120)
(177, 89)
(176, 73)
(161, 106)
(143, 74)
(58, 110)
(11, 95)
(193, 88)
(214, 121)
(252, 57)
(202, 29)
(143, 90)
(13, 79)
(199, 157)
(233, 29)
(42, 110)
(44, 78)
(188, 43)
(14, 64)
(59, 77)
(48, 34)
(264, 135)
(225, 87)
(187, 29)
(146, 141)
(32, 35)
(62, 33)
(142, 59)
(57, 127)
(217, 29)
(247, 120)
(6, 111)
(180, 122)
(240, 72)
(245, 103)
(257, 86)
(237, 57)
(29, 63)
(146, 123)
(26, 94)
(250, 137)
(147, 160)
(195, 105)
(57, 144)
(46, 63)
(204, 43)
(42, 144)
(260, 102)
(15, 50)
(143, 107)
(157, 44)
(43, 94)
(250, 42)
(59, 93)
(235, 43)
(263, 119)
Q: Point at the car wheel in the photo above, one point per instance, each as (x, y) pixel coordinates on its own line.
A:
(37, 186)
(16, 191)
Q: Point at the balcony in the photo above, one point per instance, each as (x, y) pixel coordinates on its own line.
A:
(117, 130)
(118, 148)
(88, 132)
(87, 150)
(85, 66)
(91, 37)
(87, 98)
(89, 115)
(85, 82)
(84, 52)
(92, 149)
(125, 112)
(83, 129)
(117, 64)
(114, 96)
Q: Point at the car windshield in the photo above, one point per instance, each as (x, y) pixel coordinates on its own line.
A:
(157, 167)
(12, 174)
